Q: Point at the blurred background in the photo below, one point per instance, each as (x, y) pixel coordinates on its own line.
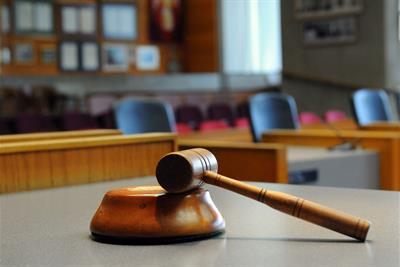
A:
(64, 63)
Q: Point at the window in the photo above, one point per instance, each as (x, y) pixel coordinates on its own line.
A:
(251, 36)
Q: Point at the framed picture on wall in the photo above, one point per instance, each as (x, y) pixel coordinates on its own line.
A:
(90, 56)
(5, 18)
(119, 21)
(147, 57)
(115, 57)
(33, 17)
(48, 55)
(78, 20)
(308, 9)
(334, 31)
(69, 56)
(5, 56)
(166, 20)
(23, 53)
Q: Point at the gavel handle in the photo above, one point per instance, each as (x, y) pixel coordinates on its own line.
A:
(298, 207)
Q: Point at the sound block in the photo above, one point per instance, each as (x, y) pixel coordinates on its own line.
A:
(149, 215)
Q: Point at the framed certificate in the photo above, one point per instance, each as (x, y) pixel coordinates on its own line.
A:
(48, 55)
(78, 20)
(5, 56)
(24, 16)
(87, 18)
(5, 18)
(69, 20)
(115, 57)
(119, 21)
(33, 17)
(43, 17)
(147, 57)
(90, 56)
(23, 53)
(69, 56)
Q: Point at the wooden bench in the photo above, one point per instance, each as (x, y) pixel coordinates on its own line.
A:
(246, 161)
(386, 143)
(56, 135)
(61, 162)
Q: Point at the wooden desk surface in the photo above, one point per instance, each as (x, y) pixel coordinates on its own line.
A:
(382, 126)
(10, 138)
(232, 134)
(51, 228)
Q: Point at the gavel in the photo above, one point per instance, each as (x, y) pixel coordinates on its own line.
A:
(185, 170)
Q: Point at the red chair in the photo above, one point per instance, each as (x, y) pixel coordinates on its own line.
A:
(309, 118)
(242, 123)
(182, 128)
(334, 115)
(27, 123)
(207, 126)
(78, 121)
(189, 114)
(221, 111)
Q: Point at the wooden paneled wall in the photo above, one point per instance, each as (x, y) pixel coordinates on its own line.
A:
(201, 46)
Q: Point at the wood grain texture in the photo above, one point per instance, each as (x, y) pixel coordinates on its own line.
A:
(200, 46)
(10, 138)
(387, 144)
(246, 161)
(44, 164)
(346, 124)
(147, 213)
(382, 126)
(234, 135)
(303, 209)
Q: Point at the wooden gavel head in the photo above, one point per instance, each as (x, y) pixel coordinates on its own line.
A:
(182, 171)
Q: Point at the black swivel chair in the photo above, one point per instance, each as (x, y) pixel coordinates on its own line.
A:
(371, 106)
(270, 111)
(139, 115)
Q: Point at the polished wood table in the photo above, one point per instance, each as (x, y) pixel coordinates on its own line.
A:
(51, 228)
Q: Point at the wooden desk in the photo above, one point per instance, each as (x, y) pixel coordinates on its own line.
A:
(382, 126)
(62, 162)
(246, 161)
(56, 135)
(51, 228)
(233, 134)
(386, 143)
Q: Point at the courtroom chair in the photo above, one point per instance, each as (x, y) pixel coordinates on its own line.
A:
(221, 111)
(242, 110)
(27, 123)
(269, 111)
(7, 125)
(100, 104)
(142, 115)
(334, 116)
(307, 117)
(189, 114)
(78, 121)
(242, 123)
(182, 128)
(370, 106)
(212, 125)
